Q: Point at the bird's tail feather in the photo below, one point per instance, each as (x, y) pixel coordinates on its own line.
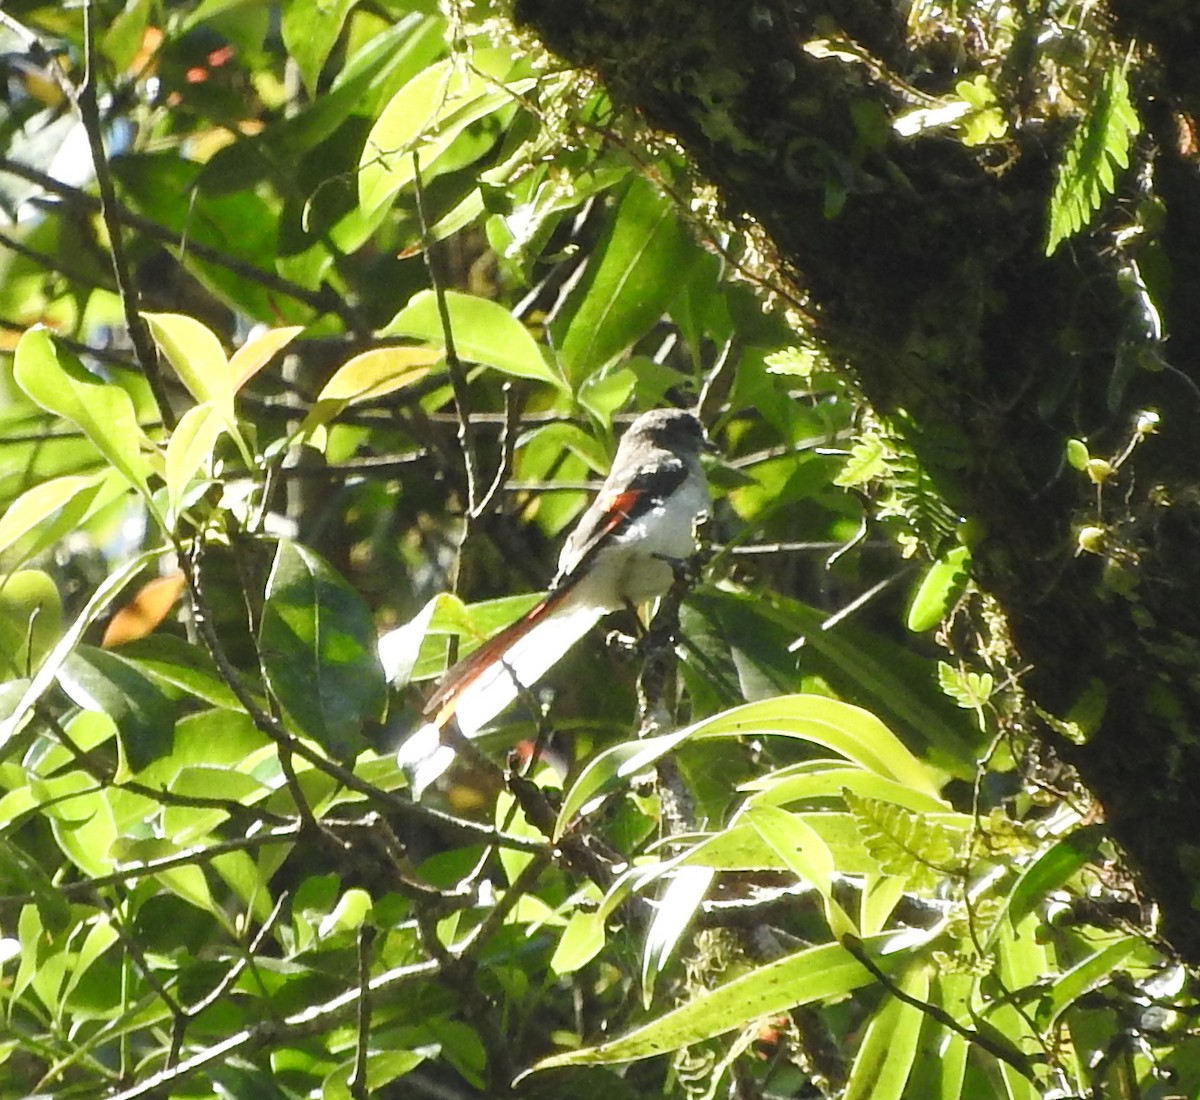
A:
(478, 688)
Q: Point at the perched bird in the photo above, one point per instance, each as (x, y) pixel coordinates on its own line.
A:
(621, 553)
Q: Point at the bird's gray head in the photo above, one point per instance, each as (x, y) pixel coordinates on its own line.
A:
(674, 430)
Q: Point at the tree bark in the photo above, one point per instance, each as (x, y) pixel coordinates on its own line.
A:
(922, 262)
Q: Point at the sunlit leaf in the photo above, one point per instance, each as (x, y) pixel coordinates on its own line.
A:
(805, 854)
(426, 115)
(58, 382)
(808, 976)
(484, 332)
(193, 349)
(630, 282)
(189, 449)
(685, 890)
(255, 354)
(48, 670)
(1098, 149)
(36, 505)
(30, 620)
(943, 583)
(884, 1060)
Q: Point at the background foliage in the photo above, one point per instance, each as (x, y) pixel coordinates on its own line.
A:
(402, 278)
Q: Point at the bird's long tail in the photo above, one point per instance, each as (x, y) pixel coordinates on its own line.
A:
(483, 684)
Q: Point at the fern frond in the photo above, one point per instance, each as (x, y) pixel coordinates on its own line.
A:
(904, 842)
(1098, 148)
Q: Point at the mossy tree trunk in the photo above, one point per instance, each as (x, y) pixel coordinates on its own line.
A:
(923, 262)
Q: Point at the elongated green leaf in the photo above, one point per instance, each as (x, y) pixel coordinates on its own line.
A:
(942, 585)
(815, 974)
(484, 332)
(581, 941)
(36, 505)
(1052, 869)
(805, 854)
(1084, 976)
(255, 354)
(849, 730)
(318, 649)
(108, 683)
(783, 788)
(885, 1059)
(173, 662)
(686, 887)
(426, 115)
(189, 448)
(197, 356)
(641, 265)
(610, 768)
(310, 31)
(372, 374)
(883, 676)
(58, 382)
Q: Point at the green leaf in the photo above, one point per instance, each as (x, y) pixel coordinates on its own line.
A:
(372, 374)
(937, 593)
(1077, 454)
(56, 380)
(581, 941)
(318, 650)
(426, 116)
(857, 663)
(684, 893)
(189, 448)
(108, 683)
(806, 855)
(806, 784)
(36, 505)
(906, 843)
(605, 771)
(255, 354)
(629, 283)
(310, 31)
(30, 620)
(172, 661)
(970, 690)
(484, 332)
(46, 673)
(848, 730)
(885, 1059)
(193, 349)
(1083, 977)
(1099, 146)
(1048, 872)
(815, 974)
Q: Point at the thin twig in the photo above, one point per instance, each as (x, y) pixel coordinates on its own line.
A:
(88, 105)
(323, 301)
(454, 367)
(201, 853)
(309, 1021)
(1010, 1056)
(359, 1086)
(508, 445)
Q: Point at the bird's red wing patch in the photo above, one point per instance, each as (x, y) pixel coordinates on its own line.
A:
(617, 509)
